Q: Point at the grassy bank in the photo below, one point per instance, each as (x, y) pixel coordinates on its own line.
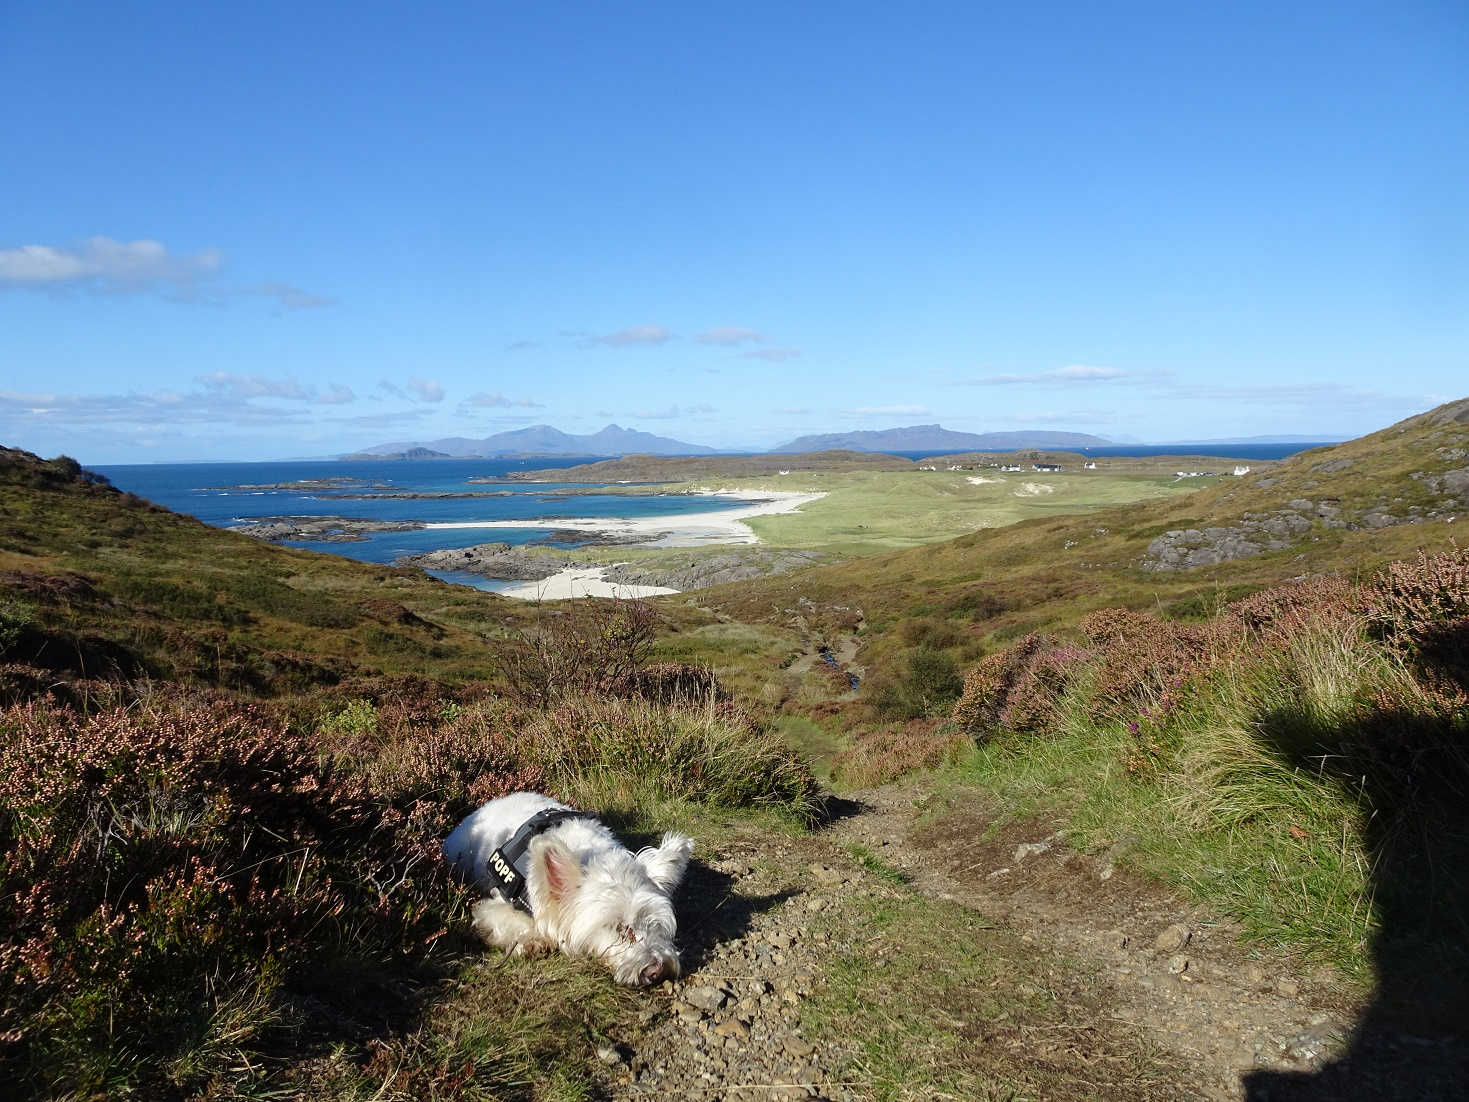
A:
(1298, 760)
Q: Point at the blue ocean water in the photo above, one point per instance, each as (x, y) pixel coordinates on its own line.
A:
(225, 494)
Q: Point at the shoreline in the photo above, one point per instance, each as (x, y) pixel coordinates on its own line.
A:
(687, 530)
(717, 526)
(581, 581)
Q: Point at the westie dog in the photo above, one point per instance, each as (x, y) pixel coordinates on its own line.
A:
(565, 882)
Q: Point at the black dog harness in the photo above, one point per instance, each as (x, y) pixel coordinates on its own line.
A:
(510, 863)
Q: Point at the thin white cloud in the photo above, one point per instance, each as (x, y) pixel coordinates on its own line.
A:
(107, 265)
(522, 346)
(496, 400)
(794, 410)
(730, 335)
(774, 355)
(426, 390)
(244, 387)
(633, 337)
(1061, 376)
(337, 395)
(893, 411)
(146, 412)
(292, 298)
(130, 267)
(1324, 395)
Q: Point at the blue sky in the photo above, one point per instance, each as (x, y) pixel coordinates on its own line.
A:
(264, 230)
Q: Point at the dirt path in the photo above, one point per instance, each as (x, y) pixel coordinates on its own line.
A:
(900, 953)
(1170, 969)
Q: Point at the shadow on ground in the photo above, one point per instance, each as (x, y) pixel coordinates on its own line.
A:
(1411, 774)
(710, 913)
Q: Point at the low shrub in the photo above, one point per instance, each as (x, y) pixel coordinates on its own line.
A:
(926, 683)
(1019, 688)
(587, 648)
(160, 861)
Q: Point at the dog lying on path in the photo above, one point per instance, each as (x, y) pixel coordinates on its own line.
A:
(557, 878)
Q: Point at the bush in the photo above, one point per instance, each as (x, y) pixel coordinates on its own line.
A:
(17, 620)
(889, 752)
(1421, 609)
(926, 683)
(929, 631)
(1019, 688)
(160, 861)
(587, 648)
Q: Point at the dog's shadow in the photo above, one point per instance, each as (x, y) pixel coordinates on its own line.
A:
(710, 912)
(708, 908)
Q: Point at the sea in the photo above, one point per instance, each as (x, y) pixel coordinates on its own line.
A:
(227, 494)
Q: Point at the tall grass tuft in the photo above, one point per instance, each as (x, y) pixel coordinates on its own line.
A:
(608, 753)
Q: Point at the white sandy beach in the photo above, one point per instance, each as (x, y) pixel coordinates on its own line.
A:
(717, 526)
(684, 529)
(581, 582)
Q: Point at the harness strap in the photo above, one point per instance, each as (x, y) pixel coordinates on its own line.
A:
(510, 864)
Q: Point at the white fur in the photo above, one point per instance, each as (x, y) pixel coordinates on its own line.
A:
(589, 896)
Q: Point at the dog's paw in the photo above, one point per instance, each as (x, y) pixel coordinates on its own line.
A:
(533, 948)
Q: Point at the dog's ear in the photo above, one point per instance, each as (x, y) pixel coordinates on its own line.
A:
(554, 876)
(666, 864)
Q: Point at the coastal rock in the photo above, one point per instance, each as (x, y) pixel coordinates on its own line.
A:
(493, 560)
(321, 529)
(736, 565)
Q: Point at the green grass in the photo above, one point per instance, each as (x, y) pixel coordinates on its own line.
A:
(870, 512)
(817, 743)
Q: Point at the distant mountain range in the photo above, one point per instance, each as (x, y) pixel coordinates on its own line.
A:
(617, 441)
(540, 440)
(919, 438)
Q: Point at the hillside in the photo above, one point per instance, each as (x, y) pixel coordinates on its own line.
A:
(1157, 851)
(114, 585)
(934, 438)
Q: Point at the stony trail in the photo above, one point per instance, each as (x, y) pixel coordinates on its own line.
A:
(1104, 986)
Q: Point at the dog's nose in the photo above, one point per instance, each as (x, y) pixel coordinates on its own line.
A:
(656, 972)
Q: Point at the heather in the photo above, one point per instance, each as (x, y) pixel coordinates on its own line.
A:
(1300, 758)
(193, 882)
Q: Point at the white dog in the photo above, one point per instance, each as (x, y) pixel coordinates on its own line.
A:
(558, 878)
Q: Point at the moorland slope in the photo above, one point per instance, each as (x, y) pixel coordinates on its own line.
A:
(1166, 801)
